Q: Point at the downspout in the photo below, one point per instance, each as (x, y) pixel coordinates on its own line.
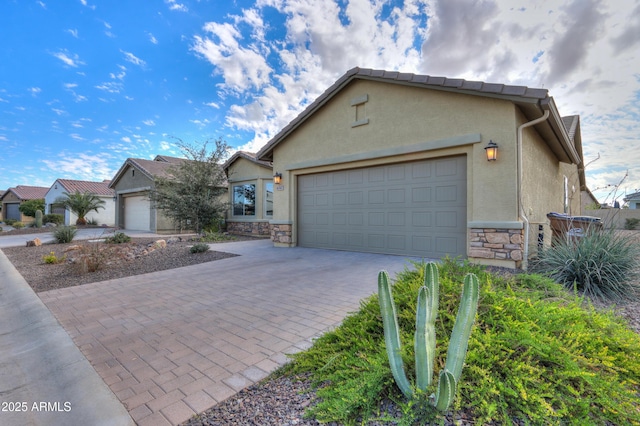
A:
(523, 214)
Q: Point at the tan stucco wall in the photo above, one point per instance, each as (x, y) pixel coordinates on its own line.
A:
(543, 185)
(243, 171)
(401, 116)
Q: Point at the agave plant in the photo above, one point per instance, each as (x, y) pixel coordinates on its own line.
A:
(425, 336)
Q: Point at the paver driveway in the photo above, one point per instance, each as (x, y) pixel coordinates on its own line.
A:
(173, 343)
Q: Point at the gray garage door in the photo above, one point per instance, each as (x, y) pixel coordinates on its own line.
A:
(13, 211)
(416, 209)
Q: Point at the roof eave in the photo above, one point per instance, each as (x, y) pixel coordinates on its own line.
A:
(563, 147)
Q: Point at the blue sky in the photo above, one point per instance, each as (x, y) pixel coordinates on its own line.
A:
(85, 84)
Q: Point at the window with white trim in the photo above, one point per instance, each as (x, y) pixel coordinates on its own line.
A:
(244, 200)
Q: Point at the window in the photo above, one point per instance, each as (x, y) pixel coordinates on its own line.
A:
(268, 199)
(244, 200)
(566, 194)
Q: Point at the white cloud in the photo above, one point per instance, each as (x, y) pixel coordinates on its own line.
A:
(149, 122)
(583, 51)
(34, 90)
(69, 59)
(130, 57)
(111, 87)
(213, 105)
(59, 111)
(82, 166)
(152, 38)
(73, 32)
(174, 5)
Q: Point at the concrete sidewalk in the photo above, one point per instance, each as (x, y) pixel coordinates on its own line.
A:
(173, 343)
(83, 234)
(44, 378)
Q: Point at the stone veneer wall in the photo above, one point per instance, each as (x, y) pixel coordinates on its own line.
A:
(281, 233)
(499, 244)
(248, 228)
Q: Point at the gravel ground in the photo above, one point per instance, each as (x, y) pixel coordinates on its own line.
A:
(279, 401)
(42, 277)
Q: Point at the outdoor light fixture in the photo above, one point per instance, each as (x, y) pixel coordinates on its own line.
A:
(277, 178)
(491, 150)
(115, 198)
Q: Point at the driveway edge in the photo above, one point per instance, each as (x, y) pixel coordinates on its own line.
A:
(44, 378)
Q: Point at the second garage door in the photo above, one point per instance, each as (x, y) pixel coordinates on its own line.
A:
(137, 213)
(416, 209)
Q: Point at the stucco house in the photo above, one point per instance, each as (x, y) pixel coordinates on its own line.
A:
(104, 216)
(392, 162)
(132, 185)
(250, 194)
(13, 197)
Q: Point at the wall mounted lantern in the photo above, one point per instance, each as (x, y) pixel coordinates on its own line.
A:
(115, 198)
(491, 150)
(277, 178)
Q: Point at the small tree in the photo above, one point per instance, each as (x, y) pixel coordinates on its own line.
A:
(193, 193)
(29, 207)
(81, 204)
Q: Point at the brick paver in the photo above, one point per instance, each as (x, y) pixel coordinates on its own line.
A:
(174, 343)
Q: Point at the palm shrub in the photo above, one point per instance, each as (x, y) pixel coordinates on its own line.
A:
(601, 264)
(58, 219)
(81, 204)
(64, 234)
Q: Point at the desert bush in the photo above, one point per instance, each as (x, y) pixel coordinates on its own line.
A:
(215, 237)
(601, 265)
(199, 248)
(537, 355)
(92, 257)
(18, 225)
(92, 221)
(64, 234)
(58, 219)
(118, 238)
(10, 222)
(631, 223)
(52, 259)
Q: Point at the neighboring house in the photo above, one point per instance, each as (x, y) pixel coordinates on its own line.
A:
(389, 162)
(250, 194)
(132, 185)
(104, 216)
(13, 197)
(633, 200)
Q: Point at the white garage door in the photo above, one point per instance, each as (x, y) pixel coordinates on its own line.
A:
(416, 209)
(137, 213)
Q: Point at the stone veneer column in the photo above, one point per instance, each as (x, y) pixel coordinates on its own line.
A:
(281, 233)
(499, 244)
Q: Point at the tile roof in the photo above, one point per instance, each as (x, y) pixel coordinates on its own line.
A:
(156, 168)
(571, 123)
(25, 192)
(521, 94)
(97, 188)
(251, 156)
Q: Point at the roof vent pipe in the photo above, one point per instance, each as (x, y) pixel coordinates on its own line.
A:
(523, 214)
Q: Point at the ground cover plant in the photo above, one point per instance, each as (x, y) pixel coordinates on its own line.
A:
(538, 354)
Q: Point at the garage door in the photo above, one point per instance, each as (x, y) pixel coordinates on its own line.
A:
(13, 211)
(416, 209)
(137, 213)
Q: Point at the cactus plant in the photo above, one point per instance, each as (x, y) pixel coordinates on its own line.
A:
(38, 218)
(425, 338)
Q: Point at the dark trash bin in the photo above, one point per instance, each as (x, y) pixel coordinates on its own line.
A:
(563, 225)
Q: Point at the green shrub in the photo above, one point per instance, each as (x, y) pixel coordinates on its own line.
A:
(215, 237)
(64, 234)
(10, 222)
(601, 265)
(92, 221)
(18, 225)
(58, 219)
(631, 223)
(537, 355)
(52, 259)
(118, 238)
(199, 248)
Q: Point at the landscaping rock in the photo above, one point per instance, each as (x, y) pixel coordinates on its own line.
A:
(34, 243)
